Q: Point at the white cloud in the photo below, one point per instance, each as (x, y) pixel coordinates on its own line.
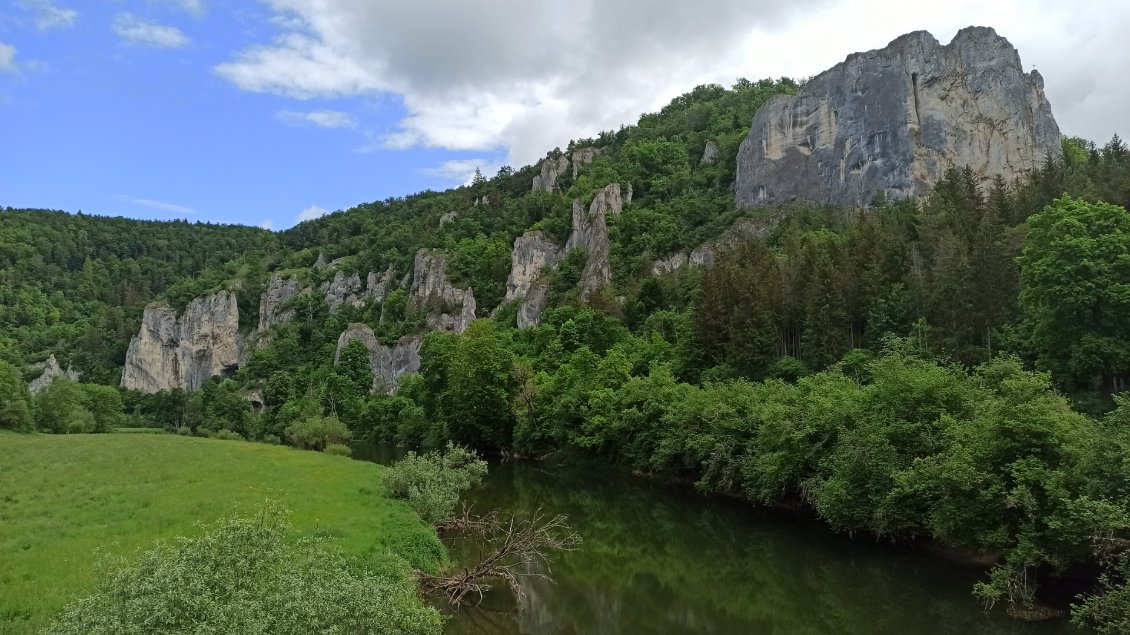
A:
(319, 118)
(7, 58)
(310, 213)
(194, 7)
(164, 207)
(137, 31)
(49, 15)
(267, 225)
(461, 171)
(528, 77)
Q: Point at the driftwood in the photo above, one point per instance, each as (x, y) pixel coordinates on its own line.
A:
(508, 548)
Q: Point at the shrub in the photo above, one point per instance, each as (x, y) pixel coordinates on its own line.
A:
(315, 433)
(228, 435)
(339, 449)
(245, 576)
(271, 439)
(432, 482)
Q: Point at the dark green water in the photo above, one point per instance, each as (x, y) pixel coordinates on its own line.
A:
(663, 559)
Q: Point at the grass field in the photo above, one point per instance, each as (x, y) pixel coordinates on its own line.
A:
(62, 497)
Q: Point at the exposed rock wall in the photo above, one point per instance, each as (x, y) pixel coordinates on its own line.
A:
(893, 120)
(743, 230)
(532, 253)
(590, 232)
(280, 290)
(342, 290)
(51, 372)
(549, 171)
(184, 351)
(389, 363)
(449, 308)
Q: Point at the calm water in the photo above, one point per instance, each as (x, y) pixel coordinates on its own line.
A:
(662, 559)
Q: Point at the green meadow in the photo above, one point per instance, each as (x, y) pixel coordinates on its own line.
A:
(65, 498)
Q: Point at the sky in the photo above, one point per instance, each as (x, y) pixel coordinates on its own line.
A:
(270, 112)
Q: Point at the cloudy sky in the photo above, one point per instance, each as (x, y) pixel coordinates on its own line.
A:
(274, 111)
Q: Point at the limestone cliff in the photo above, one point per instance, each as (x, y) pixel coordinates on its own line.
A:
(389, 363)
(590, 233)
(892, 121)
(448, 308)
(184, 351)
(532, 253)
(743, 230)
(548, 172)
(281, 289)
(51, 372)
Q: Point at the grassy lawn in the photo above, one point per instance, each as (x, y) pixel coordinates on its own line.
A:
(62, 497)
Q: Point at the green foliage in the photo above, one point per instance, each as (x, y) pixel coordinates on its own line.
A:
(1075, 276)
(432, 482)
(15, 401)
(317, 433)
(338, 449)
(1108, 610)
(244, 575)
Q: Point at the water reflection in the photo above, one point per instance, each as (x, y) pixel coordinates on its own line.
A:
(663, 560)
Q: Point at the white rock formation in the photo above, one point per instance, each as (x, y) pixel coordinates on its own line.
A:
(389, 363)
(184, 351)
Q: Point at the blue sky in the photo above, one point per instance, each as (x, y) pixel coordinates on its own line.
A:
(92, 121)
(268, 111)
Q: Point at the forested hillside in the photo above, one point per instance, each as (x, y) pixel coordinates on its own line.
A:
(941, 369)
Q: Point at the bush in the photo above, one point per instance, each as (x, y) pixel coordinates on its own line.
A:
(338, 449)
(271, 439)
(432, 482)
(244, 575)
(315, 433)
(228, 435)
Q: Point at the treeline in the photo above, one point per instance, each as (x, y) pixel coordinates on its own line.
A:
(76, 284)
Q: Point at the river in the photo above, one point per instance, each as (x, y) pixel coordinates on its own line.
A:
(664, 559)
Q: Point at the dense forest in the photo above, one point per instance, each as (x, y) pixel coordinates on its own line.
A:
(946, 369)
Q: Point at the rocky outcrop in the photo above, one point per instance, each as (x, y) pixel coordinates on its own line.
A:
(447, 217)
(582, 157)
(532, 253)
(533, 305)
(377, 287)
(342, 290)
(710, 153)
(548, 172)
(743, 230)
(389, 363)
(51, 372)
(184, 351)
(281, 289)
(590, 233)
(892, 121)
(448, 308)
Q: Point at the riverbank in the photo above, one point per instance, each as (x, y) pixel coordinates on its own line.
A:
(64, 496)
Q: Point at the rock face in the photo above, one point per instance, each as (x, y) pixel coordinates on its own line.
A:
(449, 308)
(743, 230)
(51, 372)
(590, 232)
(532, 253)
(280, 290)
(184, 351)
(893, 120)
(532, 305)
(549, 170)
(448, 217)
(581, 158)
(342, 290)
(709, 153)
(389, 363)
